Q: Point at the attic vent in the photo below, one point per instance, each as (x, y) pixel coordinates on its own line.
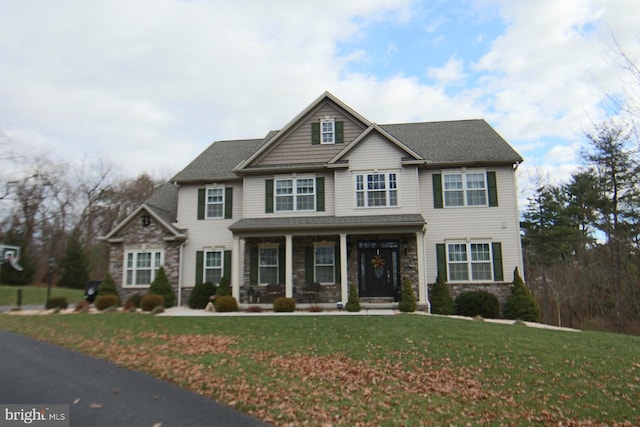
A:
(146, 220)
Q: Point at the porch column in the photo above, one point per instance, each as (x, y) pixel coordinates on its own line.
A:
(344, 280)
(236, 276)
(423, 290)
(288, 266)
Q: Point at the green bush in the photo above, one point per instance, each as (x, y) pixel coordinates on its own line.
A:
(284, 305)
(160, 286)
(103, 302)
(57, 302)
(478, 303)
(521, 305)
(134, 300)
(224, 288)
(151, 301)
(440, 298)
(107, 286)
(225, 304)
(353, 302)
(200, 295)
(408, 302)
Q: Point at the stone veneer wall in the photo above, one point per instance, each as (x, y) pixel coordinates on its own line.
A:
(138, 237)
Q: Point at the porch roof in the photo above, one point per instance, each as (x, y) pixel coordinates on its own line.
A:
(329, 223)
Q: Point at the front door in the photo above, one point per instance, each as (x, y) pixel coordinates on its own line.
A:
(378, 269)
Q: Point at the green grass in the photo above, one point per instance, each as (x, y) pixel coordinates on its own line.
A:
(344, 370)
(32, 295)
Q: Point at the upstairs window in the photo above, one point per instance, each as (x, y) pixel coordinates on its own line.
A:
(215, 202)
(327, 131)
(376, 190)
(296, 194)
(465, 189)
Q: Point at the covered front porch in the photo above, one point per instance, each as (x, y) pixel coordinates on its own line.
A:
(314, 259)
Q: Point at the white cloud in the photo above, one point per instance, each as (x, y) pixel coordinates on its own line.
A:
(451, 72)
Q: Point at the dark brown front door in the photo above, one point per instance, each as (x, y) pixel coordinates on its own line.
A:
(378, 263)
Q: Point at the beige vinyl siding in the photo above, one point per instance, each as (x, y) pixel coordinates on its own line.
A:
(376, 154)
(212, 234)
(254, 196)
(491, 224)
(295, 147)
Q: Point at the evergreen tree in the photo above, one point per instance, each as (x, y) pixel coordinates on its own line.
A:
(408, 302)
(74, 265)
(441, 299)
(521, 305)
(224, 288)
(160, 286)
(108, 286)
(353, 302)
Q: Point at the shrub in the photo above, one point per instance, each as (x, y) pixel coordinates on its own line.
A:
(133, 300)
(408, 302)
(199, 297)
(160, 286)
(254, 309)
(284, 305)
(105, 301)
(315, 309)
(151, 301)
(108, 286)
(478, 303)
(81, 306)
(57, 302)
(521, 305)
(224, 288)
(157, 310)
(353, 302)
(225, 304)
(440, 298)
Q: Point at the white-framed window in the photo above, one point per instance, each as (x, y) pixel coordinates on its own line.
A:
(465, 189)
(295, 194)
(141, 267)
(469, 261)
(324, 263)
(268, 264)
(327, 131)
(376, 190)
(213, 266)
(215, 202)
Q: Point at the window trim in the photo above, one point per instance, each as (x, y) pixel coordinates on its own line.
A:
(465, 189)
(295, 195)
(221, 204)
(157, 261)
(469, 262)
(332, 265)
(331, 135)
(205, 267)
(365, 190)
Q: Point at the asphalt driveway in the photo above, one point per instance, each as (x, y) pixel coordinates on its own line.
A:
(99, 393)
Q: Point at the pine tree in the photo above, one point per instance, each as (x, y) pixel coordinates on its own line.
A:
(108, 286)
(408, 302)
(224, 288)
(160, 286)
(74, 265)
(353, 303)
(521, 305)
(441, 299)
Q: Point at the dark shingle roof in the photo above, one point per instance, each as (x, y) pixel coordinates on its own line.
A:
(461, 141)
(332, 222)
(218, 160)
(164, 202)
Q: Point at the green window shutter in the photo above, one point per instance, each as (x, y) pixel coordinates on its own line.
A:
(339, 132)
(320, 194)
(437, 191)
(228, 203)
(281, 264)
(199, 267)
(308, 264)
(338, 276)
(201, 202)
(493, 188)
(226, 265)
(268, 196)
(253, 266)
(498, 275)
(441, 260)
(315, 133)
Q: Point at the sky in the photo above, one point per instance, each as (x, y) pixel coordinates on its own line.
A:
(147, 85)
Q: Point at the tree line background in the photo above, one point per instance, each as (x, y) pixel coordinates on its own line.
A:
(581, 238)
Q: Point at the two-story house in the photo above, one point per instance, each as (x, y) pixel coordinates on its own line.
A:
(329, 200)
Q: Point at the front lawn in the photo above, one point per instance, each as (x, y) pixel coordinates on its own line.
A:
(358, 370)
(33, 295)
